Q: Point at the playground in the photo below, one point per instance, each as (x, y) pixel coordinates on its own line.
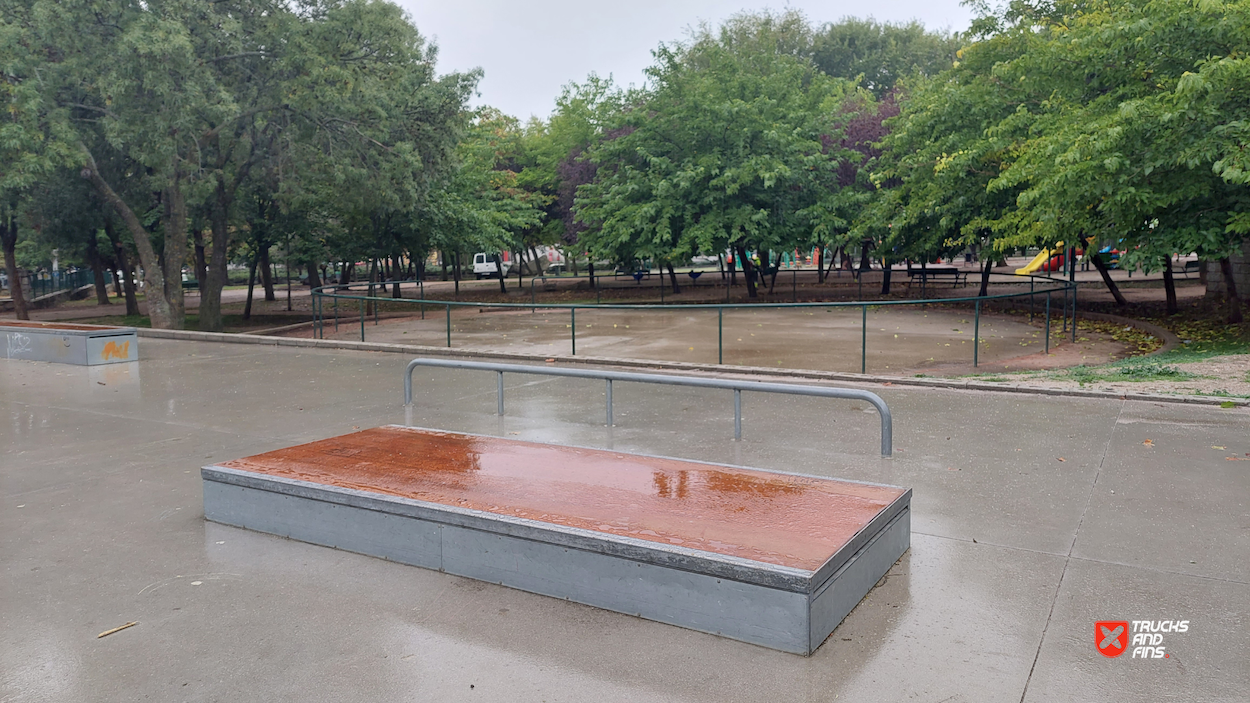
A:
(1034, 517)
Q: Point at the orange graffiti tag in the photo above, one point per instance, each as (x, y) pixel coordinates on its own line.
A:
(113, 350)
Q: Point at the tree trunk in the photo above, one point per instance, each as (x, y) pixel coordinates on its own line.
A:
(442, 261)
(158, 307)
(885, 277)
(1169, 285)
(1106, 278)
(251, 285)
(503, 286)
(201, 264)
(455, 271)
(538, 264)
(8, 241)
(820, 264)
(123, 262)
(833, 260)
(216, 278)
(266, 274)
(720, 262)
(733, 270)
(395, 292)
(1230, 292)
(864, 263)
(175, 223)
(590, 271)
(345, 273)
(97, 268)
(314, 276)
(117, 281)
(747, 268)
(986, 265)
(672, 276)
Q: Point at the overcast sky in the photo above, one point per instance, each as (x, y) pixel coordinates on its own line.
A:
(529, 49)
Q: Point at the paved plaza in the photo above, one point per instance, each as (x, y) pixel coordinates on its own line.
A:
(1033, 518)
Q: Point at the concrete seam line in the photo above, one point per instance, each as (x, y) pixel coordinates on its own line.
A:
(941, 384)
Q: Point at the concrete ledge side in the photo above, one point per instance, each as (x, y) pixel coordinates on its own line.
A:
(416, 350)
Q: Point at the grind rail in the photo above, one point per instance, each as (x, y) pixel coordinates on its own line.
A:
(887, 427)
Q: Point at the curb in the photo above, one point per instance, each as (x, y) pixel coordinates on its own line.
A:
(949, 384)
(1170, 341)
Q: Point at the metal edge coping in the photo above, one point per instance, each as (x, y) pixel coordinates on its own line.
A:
(655, 553)
(60, 332)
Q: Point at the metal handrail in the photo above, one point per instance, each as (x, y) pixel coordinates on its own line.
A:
(887, 424)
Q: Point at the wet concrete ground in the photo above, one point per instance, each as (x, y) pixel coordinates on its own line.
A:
(900, 339)
(1015, 553)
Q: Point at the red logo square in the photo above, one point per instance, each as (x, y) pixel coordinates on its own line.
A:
(1111, 637)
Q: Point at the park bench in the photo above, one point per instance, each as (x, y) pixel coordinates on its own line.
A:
(931, 273)
(1194, 266)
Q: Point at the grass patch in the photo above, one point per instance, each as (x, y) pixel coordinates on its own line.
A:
(1132, 371)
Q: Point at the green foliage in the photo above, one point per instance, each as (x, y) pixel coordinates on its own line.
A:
(881, 54)
(726, 150)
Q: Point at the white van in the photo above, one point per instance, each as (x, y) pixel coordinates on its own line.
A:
(484, 265)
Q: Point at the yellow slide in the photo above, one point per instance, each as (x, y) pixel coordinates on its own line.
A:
(1040, 260)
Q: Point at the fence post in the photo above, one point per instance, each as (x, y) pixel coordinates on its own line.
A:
(1047, 322)
(336, 315)
(449, 325)
(1030, 300)
(362, 319)
(720, 335)
(499, 392)
(1074, 312)
(863, 339)
(976, 336)
(573, 326)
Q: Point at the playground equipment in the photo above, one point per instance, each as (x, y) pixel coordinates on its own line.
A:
(775, 559)
(1046, 260)
(82, 345)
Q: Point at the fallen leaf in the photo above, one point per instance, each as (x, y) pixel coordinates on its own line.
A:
(1213, 446)
(1062, 459)
(1149, 443)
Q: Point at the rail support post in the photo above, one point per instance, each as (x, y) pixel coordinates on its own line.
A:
(863, 339)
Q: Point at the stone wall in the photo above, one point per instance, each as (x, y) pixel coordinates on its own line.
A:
(1241, 274)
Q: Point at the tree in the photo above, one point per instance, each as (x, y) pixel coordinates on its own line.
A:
(725, 151)
(34, 138)
(881, 54)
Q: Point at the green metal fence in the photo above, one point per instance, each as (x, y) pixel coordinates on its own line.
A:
(337, 302)
(37, 285)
